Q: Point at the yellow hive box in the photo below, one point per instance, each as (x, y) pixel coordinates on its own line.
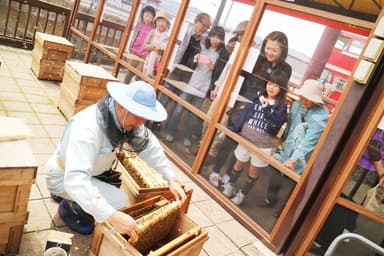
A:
(49, 55)
(185, 237)
(136, 192)
(18, 170)
(82, 85)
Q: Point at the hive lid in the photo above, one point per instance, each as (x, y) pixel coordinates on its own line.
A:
(90, 70)
(41, 37)
(12, 128)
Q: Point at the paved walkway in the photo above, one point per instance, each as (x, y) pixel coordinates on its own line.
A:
(24, 96)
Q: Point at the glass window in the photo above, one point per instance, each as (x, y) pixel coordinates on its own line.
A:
(198, 59)
(339, 83)
(326, 76)
(342, 43)
(356, 47)
(343, 220)
(255, 186)
(368, 172)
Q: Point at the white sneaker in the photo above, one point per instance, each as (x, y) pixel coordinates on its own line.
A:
(187, 142)
(214, 179)
(239, 198)
(225, 179)
(229, 190)
(169, 137)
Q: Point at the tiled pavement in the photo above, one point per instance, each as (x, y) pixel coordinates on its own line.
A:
(24, 96)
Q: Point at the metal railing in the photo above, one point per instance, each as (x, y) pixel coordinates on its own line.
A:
(362, 240)
(22, 19)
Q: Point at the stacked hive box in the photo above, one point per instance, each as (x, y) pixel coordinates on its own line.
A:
(139, 181)
(164, 230)
(83, 84)
(49, 55)
(17, 173)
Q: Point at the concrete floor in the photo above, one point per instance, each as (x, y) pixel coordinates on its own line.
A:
(35, 101)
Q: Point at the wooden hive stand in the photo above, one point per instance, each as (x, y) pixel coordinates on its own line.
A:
(49, 55)
(83, 84)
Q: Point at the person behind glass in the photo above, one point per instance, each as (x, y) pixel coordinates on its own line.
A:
(155, 43)
(210, 63)
(273, 53)
(139, 35)
(370, 166)
(231, 45)
(307, 120)
(217, 85)
(259, 123)
(78, 170)
(188, 48)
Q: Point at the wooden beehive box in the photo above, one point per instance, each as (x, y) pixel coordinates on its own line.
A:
(49, 55)
(83, 84)
(17, 173)
(136, 192)
(185, 238)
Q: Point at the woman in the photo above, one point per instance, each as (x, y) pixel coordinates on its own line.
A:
(273, 53)
(210, 63)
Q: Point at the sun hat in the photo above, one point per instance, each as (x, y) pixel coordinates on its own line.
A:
(138, 98)
(311, 89)
(162, 14)
(241, 27)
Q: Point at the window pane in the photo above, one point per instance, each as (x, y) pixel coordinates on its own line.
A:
(364, 187)
(342, 220)
(270, 184)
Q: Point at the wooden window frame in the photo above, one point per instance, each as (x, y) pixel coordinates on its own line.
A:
(330, 140)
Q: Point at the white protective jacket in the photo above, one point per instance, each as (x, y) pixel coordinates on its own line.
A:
(85, 152)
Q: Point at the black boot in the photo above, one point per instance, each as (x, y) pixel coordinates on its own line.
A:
(249, 183)
(77, 219)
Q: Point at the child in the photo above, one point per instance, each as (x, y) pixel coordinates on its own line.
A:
(259, 124)
(273, 53)
(231, 44)
(155, 43)
(140, 33)
(210, 63)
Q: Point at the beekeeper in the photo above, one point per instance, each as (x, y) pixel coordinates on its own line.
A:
(78, 171)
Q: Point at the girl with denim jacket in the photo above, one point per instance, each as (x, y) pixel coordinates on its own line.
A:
(259, 123)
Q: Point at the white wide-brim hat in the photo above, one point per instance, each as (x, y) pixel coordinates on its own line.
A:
(311, 90)
(138, 98)
(162, 14)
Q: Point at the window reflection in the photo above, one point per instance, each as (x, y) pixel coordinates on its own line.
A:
(177, 145)
(254, 204)
(343, 220)
(310, 77)
(366, 185)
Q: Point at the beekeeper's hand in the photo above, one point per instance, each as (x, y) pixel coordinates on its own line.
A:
(177, 190)
(123, 223)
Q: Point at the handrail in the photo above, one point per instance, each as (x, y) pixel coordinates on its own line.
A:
(29, 14)
(361, 239)
(38, 16)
